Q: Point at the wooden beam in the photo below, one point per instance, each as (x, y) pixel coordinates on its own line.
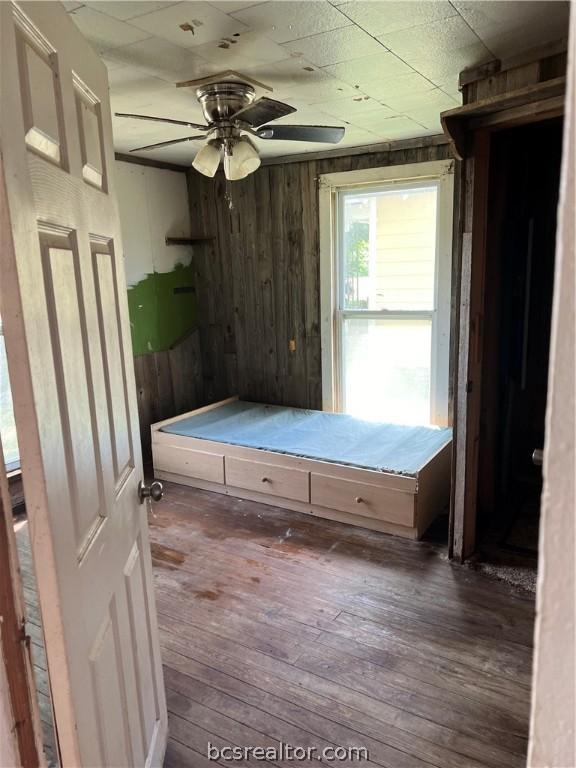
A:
(456, 122)
(385, 146)
(193, 240)
(473, 74)
(150, 163)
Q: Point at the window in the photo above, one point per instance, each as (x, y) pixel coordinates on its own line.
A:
(386, 260)
(7, 423)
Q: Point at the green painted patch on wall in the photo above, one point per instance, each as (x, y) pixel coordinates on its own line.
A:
(162, 310)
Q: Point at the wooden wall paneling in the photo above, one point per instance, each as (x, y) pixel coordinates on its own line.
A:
(258, 281)
(278, 253)
(265, 261)
(168, 383)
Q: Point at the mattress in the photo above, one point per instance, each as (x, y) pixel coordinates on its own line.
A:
(333, 437)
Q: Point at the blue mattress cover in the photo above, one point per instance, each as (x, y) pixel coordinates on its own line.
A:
(334, 437)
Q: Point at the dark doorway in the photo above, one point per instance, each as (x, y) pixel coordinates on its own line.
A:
(521, 233)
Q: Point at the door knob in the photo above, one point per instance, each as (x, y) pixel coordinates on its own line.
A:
(154, 491)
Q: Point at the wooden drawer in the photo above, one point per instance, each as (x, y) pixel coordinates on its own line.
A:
(365, 499)
(189, 462)
(268, 478)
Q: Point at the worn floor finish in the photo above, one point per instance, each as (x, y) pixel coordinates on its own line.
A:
(280, 627)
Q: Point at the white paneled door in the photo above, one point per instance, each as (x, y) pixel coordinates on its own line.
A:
(65, 315)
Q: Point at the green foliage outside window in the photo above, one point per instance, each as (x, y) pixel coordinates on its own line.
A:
(356, 245)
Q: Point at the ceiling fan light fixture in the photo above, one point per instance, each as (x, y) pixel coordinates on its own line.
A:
(207, 159)
(241, 159)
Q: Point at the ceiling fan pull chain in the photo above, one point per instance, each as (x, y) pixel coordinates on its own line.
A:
(228, 195)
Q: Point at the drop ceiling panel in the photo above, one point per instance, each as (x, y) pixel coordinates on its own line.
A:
(160, 58)
(436, 99)
(410, 83)
(126, 9)
(353, 109)
(381, 18)
(207, 22)
(288, 20)
(440, 38)
(435, 65)
(504, 26)
(324, 91)
(384, 69)
(236, 52)
(369, 69)
(103, 31)
(335, 46)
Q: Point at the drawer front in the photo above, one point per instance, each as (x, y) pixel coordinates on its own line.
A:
(188, 462)
(358, 498)
(268, 478)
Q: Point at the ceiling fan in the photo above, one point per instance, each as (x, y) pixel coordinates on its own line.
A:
(233, 116)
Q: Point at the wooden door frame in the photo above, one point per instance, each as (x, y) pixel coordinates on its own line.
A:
(471, 133)
(14, 642)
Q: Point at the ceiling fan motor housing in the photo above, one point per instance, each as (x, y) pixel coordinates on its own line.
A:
(220, 101)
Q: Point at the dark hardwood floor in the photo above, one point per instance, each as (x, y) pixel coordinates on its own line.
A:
(277, 626)
(34, 632)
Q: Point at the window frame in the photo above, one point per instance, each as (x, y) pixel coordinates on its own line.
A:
(333, 315)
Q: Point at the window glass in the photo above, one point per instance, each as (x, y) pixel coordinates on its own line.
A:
(388, 247)
(387, 369)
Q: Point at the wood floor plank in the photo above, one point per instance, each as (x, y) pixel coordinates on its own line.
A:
(278, 627)
(335, 628)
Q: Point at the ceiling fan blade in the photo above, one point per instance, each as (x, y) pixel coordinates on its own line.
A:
(167, 143)
(263, 111)
(328, 134)
(164, 120)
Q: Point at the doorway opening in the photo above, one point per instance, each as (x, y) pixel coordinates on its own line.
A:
(523, 192)
(33, 629)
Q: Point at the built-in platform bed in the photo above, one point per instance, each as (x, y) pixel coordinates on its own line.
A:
(386, 477)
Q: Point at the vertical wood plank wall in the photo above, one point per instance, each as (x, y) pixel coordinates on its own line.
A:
(167, 383)
(257, 281)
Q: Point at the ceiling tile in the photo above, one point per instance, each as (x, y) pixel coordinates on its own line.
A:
(131, 80)
(508, 28)
(326, 74)
(208, 23)
(290, 20)
(441, 36)
(411, 83)
(104, 32)
(335, 46)
(231, 6)
(436, 99)
(126, 9)
(325, 90)
(393, 128)
(368, 69)
(287, 73)
(440, 67)
(236, 52)
(160, 58)
(428, 117)
(352, 109)
(381, 18)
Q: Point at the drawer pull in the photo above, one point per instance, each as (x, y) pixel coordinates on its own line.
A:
(359, 500)
(265, 480)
